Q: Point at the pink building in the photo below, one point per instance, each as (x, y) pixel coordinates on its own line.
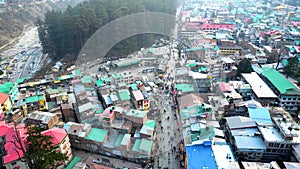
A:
(11, 154)
(8, 144)
(61, 140)
(216, 26)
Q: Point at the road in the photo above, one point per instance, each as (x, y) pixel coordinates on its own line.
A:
(23, 69)
(168, 131)
(31, 65)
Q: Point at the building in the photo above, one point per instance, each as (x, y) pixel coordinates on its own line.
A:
(137, 99)
(11, 154)
(201, 80)
(11, 89)
(84, 137)
(263, 137)
(288, 94)
(5, 105)
(60, 139)
(8, 151)
(44, 120)
(212, 27)
(261, 91)
(230, 50)
(250, 165)
(200, 156)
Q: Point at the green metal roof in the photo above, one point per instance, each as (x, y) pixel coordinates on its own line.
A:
(133, 86)
(6, 87)
(75, 160)
(136, 145)
(117, 76)
(204, 133)
(97, 135)
(194, 110)
(21, 80)
(279, 81)
(99, 83)
(33, 99)
(119, 140)
(77, 72)
(86, 79)
(150, 123)
(146, 145)
(99, 111)
(185, 87)
(124, 95)
(207, 132)
(89, 88)
(192, 64)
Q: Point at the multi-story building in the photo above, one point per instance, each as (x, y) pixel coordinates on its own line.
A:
(44, 120)
(288, 94)
(261, 91)
(202, 81)
(8, 152)
(230, 50)
(212, 27)
(61, 141)
(5, 105)
(85, 137)
(11, 89)
(11, 156)
(262, 137)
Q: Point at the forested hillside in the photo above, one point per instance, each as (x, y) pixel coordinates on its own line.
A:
(15, 16)
(64, 33)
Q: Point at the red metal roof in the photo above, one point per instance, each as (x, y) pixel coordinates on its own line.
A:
(3, 97)
(57, 134)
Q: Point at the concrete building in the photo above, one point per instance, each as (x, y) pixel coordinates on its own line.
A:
(44, 120)
(60, 139)
(262, 137)
(5, 105)
(83, 136)
(261, 91)
(288, 94)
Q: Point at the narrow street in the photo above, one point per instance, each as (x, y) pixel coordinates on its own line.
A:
(168, 131)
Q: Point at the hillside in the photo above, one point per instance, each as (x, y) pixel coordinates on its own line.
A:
(15, 17)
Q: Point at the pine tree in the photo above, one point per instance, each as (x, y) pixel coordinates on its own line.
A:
(244, 67)
(39, 151)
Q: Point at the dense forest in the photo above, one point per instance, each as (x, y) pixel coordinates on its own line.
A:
(64, 33)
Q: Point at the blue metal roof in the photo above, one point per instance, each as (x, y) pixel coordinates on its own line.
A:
(260, 115)
(200, 156)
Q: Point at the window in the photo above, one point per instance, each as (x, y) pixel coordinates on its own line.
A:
(14, 163)
(289, 98)
(282, 146)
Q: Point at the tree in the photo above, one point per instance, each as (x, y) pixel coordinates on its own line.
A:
(292, 68)
(244, 67)
(38, 150)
